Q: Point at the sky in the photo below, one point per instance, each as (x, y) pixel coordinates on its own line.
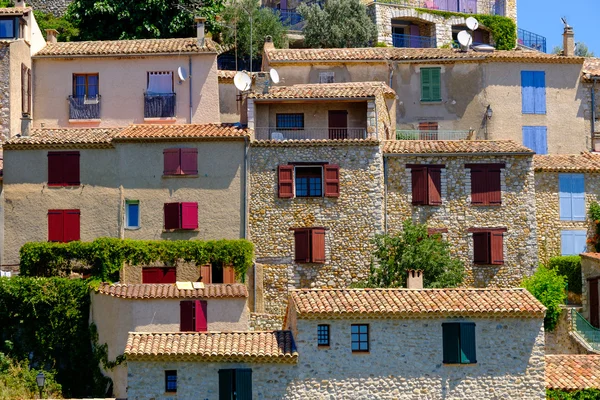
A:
(543, 17)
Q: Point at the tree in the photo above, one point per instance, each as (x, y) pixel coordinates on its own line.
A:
(340, 23)
(265, 22)
(414, 248)
(549, 288)
(66, 31)
(581, 50)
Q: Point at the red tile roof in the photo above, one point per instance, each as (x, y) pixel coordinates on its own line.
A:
(64, 138)
(595, 256)
(14, 10)
(170, 291)
(584, 162)
(315, 143)
(181, 131)
(573, 372)
(263, 346)
(327, 91)
(455, 147)
(591, 66)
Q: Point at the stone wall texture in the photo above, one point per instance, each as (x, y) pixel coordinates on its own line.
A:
(560, 341)
(5, 90)
(56, 7)
(590, 268)
(265, 322)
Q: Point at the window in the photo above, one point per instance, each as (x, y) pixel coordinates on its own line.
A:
(327, 77)
(533, 92)
(182, 161)
(217, 273)
(431, 84)
(171, 381)
(323, 335)
(160, 82)
(132, 214)
(7, 28)
(309, 245)
(192, 315)
(63, 225)
(488, 246)
(309, 181)
(459, 343)
(235, 384)
(360, 337)
(85, 85)
(159, 275)
(290, 121)
(536, 138)
(63, 168)
(486, 187)
(181, 216)
(426, 184)
(573, 242)
(25, 89)
(428, 131)
(571, 197)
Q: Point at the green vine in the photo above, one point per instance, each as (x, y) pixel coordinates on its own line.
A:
(585, 394)
(595, 217)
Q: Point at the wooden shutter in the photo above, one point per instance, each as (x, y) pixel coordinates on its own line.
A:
(55, 168)
(55, 226)
(451, 343)
(467, 343)
(481, 248)
(565, 197)
(434, 186)
(436, 87)
(478, 186)
(579, 242)
(578, 197)
(151, 275)
(71, 225)
(527, 92)
(226, 384)
(172, 213)
(243, 384)
(496, 248)
(317, 245)
(539, 92)
(200, 316)
(206, 273)
(28, 91)
(419, 185)
(23, 88)
(567, 243)
(541, 140)
(594, 303)
(71, 168)
(186, 316)
(286, 181)
(494, 186)
(301, 245)
(426, 84)
(332, 180)
(189, 215)
(168, 275)
(172, 165)
(228, 274)
(189, 161)
(529, 137)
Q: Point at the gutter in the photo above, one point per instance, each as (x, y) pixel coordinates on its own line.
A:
(121, 55)
(302, 99)
(381, 60)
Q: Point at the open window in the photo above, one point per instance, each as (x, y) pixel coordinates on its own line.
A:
(217, 273)
(308, 180)
(309, 245)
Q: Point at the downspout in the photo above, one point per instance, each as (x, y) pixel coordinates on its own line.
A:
(190, 69)
(385, 193)
(593, 90)
(245, 216)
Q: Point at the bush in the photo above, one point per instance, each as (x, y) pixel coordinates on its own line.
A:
(549, 288)
(595, 216)
(585, 394)
(570, 268)
(17, 380)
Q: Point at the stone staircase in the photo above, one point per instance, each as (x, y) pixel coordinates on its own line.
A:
(583, 332)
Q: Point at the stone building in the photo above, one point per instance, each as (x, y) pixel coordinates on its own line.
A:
(590, 299)
(591, 81)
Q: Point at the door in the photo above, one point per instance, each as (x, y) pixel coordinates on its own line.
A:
(415, 40)
(594, 309)
(338, 124)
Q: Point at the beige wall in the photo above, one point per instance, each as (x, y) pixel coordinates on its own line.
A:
(228, 104)
(122, 82)
(19, 54)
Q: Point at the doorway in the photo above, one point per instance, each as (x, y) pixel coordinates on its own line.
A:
(338, 124)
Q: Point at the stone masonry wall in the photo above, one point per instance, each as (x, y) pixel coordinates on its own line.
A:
(56, 7)
(590, 268)
(352, 219)
(517, 213)
(265, 322)
(4, 90)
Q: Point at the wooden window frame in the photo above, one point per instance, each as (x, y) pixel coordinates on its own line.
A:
(323, 335)
(298, 174)
(170, 374)
(352, 341)
(87, 85)
(312, 257)
(330, 179)
(487, 234)
(432, 182)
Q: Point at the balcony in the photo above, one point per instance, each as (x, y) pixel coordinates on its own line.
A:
(159, 105)
(84, 108)
(402, 134)
(290, 18)
(310, 133)
(465, 6)
(531, 40)
(412, 41)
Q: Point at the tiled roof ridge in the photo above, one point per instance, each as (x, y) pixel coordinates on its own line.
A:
(182, 131)
(154, 333)
(170, 291)
(465, 146)
(365, 89)
(583, 161)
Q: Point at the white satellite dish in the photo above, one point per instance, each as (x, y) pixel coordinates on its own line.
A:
(274, 75)
(472, 24)
(242, 81)
(182, 74)
(465, 39)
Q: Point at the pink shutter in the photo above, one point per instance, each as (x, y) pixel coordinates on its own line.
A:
(186, 316)
(71, 168)
(419, 185)
(201, 317)
(332, 180)
(189, 161)
(189, 215)
(301, 245)
(286, 181)
(71, 225)
(55, 168)
(172, 164)
(318, 245)
(172, 213)
(55, 226)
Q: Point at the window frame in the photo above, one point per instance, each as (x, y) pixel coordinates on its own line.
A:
(87, 83)
(328, 75)
(312, 255)
(139, 218)
(323, 337)
(494, 255)
(432, 181)
(13, 20)
(359, 333)
(429, 71)
(459, 343)
(306, 175)
(280, 126)
(169, 375)
(148, 73)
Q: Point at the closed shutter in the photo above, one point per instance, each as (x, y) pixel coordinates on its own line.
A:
(527, 92)
(451, 343)
(55, 226)
(71, 225)
(529, 138)
(318, 245)
(579, 242)
(189, 161)
(23, 88)
(497, 248)
(172, 164)
(539, 92)
(71, 168)
(228, 274)
(426, 84)
(226, 384)
(481, 248)
(419, 185)
(578, 197)
(55, 168)
(332, 180)
(172, 213)
(243, 384)
(189, 215)
(541, 140)
(206, 273)
(286, 181)
(434, 186)
(151, 275)
(436, 89)
(467, 343)
(168, 275)
(567, 245)
(565, 198)
(186, 316)
(478, 186)
(301, 245)
(494, 186)
(200, 316)
(28, 111)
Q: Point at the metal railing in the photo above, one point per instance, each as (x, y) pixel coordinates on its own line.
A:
(413, 41)
(290, 18)
(586, 330)
(159, 105)
(531, 40)
(408, 134)
(497, 7)
(84, 107)
(310, 133)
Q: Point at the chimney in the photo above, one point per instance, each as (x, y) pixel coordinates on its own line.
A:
(568, 41)
(200, 21)
(25, 125)
(20, 3)
(415, 279)
(269, 43)
(51, 36)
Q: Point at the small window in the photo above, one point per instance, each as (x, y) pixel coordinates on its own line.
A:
(181, 216)
(63, 225)
(327, 77)
(171, 381)
(309, 245)
(486, 185)
(571, 196)
(193, 316)
(85, 85)
(533, 92)
(132, 214)
(426, 184)
(217, 273)
(488, 246)
(431, 84)
(63, 168)
(180, 161)
(459, 343)
(159, 275)
(7, 28)
(160, 82)
(309, 181)
(360, 337)
(323, 335)
(573, 243)
(290, 121)
(235, 384)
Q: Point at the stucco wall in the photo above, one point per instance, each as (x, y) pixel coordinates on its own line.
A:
(19, 54)
(122, 82)
(228, 104)
(517, 213)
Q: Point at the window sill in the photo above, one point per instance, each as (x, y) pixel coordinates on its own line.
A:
(59, 185)
(487, 264)
(161, 120)
(486, 205)
(323, 346)
(181, 176)
(133, 228)
(180, 230)
(361, 352)
(432, 102)
(459, 364)
(85, 121)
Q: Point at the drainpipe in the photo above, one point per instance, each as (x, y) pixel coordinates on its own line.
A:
(190, 69)
(245, 188)
(385, 193)
(593, 90)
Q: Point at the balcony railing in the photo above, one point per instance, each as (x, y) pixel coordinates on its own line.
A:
(531, 40)
(290, 18)
(310, 133)
(413, 41)
(404, 134)
(463, 6)
(588, 332)
(84, 107)
(159, 105)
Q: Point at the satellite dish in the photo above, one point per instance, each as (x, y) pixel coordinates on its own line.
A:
(484, 48)
(465, 39)
(182, 73)
(274, 75)
(472, 23)
(242, 81)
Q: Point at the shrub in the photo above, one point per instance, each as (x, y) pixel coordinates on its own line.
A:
(595, 216)
(570, 268)
(549, 288)
(585, 394)
(17, 380)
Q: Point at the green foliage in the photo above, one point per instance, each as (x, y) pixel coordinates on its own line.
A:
(581, 50)
(549, 288)
(66, 31)
(570, 268)
(106, 256)
(585, 394)
(381, 44)
(6, 3)
(413, 248)
(17, 380)
(595, 217)
(340, 23)
(265, 22)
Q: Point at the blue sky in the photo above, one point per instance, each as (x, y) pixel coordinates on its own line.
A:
(543, 17)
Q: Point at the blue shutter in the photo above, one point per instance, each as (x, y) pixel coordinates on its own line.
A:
(539, 84)
(243, 384)
(541, 140)
(579, 242)
(529, 137)
(567, 244)
(565, 199)
(226, 377)
(578, 197)
(527, 92)
(451, 343)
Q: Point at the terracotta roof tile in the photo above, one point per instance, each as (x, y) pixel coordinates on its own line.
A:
(399, 303)
(181, 131)
(591, 66)
(14, 10)
(584, 162)
(63, 138)
(327, 91)
(595, 256)
(573, 372)
(170, 291)
(315, 142)
(454, 146)
(263, 346)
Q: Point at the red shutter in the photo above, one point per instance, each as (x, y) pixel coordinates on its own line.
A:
(169, 275)
(71, 225)
(189, 161)
(172, 164)
(186, 316)
(151, 275)
(205, 273)
(55, 168)
(497, 248)
(478, 186)
(494, 186)
(189, 215)
(201, 317)
(419, 185)
(332, 180)
(481, 249)
(286, 181)
(228, 274)
(55, 226)
(434, 186)
(172, 215)
(71, 168)
(301, 239)
(318, 245)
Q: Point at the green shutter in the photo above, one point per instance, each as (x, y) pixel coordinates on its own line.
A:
(436, 91)
(243, 384)
(226, 384)
(451, 343)
(467, 343)
(425, 84)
